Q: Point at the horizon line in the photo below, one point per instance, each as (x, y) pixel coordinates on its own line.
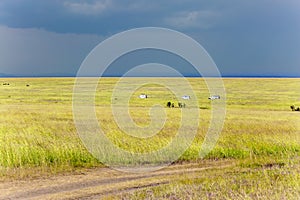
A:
(72, 76)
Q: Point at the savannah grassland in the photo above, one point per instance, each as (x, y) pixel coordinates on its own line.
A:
(261, 136)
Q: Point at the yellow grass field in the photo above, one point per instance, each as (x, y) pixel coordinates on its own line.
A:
(261, 135)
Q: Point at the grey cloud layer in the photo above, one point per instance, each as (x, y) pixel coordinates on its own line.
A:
(38, 52)
(257, 37)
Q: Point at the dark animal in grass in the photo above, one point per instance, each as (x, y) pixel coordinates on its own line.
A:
(293, 108)
(27, 85)
(169, 104)
(181, 105)
(173, 105)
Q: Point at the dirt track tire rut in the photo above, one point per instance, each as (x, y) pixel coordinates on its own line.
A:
(99, 183)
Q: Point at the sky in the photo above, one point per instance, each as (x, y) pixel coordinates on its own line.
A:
(244, 38)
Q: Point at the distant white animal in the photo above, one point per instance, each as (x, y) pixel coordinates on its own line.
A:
(213, 97)
(143, 96)
(186, 97)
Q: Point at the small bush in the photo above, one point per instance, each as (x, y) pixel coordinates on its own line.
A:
(293, 108)
(169, 104)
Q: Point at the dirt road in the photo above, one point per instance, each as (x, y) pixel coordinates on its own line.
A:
(102, 182)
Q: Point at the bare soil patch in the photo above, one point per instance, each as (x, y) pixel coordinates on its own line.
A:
(98, 183)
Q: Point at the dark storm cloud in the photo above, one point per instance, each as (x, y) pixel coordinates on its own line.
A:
(37, 52)
(258, 37)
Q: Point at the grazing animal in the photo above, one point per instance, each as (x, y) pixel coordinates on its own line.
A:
(213, 97)
(143, 96)
(186, 97)
(293, 108)
(169, 104)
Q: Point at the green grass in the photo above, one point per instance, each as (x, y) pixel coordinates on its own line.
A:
(255, 182)
(37, 131)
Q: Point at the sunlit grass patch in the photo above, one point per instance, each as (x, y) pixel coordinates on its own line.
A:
(37, 128)
(255, 182)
